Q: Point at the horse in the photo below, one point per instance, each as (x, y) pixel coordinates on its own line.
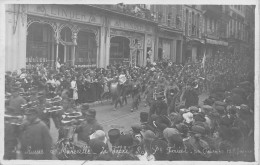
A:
(115, 92)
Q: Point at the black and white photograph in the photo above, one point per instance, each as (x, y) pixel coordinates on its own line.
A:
(127, 81)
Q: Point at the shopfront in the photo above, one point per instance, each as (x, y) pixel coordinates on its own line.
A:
(169, 45)
(62, 33)
(214, 46)
(130, 42)
(194, 49)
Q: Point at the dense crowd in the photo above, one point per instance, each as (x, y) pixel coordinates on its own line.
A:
(177, 126)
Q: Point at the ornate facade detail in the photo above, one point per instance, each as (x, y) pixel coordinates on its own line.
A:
(32, 20)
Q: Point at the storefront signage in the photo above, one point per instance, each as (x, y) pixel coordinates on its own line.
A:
(65, 12)
(129, 25)
(216, 42)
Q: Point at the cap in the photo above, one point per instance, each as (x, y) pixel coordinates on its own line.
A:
(113, 135)
(91, 112)
(84, 107)
(31, 111)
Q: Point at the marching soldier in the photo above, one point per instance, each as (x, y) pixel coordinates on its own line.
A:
(43, 104)
(136, 89)
(35, 139)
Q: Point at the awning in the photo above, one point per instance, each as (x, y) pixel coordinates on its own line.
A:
(216, 42)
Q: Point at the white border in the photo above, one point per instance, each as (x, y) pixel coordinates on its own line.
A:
(199, 2)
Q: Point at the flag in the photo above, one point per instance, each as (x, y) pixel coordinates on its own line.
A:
(203, 60)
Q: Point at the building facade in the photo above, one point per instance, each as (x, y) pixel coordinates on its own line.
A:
(212, 30)
(192, 31)
(99, 35)
(169, 39)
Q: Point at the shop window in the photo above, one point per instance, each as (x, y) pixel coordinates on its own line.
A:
(86, 52)
(66, 34)
(40, 45)
(119, 50)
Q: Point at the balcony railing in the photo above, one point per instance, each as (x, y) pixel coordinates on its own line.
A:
(137, 11)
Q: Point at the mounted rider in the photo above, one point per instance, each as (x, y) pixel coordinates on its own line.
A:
(121, 80)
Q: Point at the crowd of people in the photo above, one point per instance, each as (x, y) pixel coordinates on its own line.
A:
(177, 126)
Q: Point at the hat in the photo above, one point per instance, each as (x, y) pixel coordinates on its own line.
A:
(199, 117)
(207, 108)
(188, 117)
(100, 135)
(97, 146)
(168, 132)
(136, 128)
(208, 101)
(220, 109)
(226, 121)
(232, 110)
(198, 129)
(40, 94)
(126, 140)
(84, 107)
(244, 109)
(148, 135)
(183, 128)
(31, 111)
(15, 89)
(91, 112)
(236, 99)
(113, 135)
(220, 103)
(193, 109)
(144, 116)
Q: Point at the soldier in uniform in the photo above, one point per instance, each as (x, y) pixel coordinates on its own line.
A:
(35, 139)
(43, 104)
(136, 89)
(88, 127)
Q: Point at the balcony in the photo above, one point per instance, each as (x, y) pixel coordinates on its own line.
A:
(211, 34)
(145, 14)
(214, 11)
(194, 31)
(131, 10)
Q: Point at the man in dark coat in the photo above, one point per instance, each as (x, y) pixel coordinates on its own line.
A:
(191, 97)
(16, 101)
(89, 126)
(36, 141)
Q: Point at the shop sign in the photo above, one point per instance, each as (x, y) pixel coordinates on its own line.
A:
(65, 12)
(130, 25)
(216, 42)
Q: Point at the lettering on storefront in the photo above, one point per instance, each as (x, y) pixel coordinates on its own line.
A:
(64, 12)
(130, 25)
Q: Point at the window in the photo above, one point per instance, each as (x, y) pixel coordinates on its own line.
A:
(119, 49)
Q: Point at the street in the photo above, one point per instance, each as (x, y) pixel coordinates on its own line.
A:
(121, 119)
